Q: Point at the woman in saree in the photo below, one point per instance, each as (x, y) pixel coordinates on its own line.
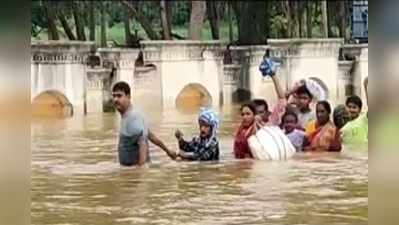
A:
(322, 135)
(245, 130)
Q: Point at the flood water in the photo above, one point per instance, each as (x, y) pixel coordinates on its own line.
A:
(76, 179)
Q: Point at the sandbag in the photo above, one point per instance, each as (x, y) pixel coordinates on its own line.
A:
(270, 143)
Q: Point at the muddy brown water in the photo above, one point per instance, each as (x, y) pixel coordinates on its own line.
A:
(76, 179)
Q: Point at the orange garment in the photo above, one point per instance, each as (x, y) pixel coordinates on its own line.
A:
(310, 127)
(323, 138)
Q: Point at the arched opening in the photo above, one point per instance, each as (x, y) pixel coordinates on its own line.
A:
(192, 97)
(51, 104)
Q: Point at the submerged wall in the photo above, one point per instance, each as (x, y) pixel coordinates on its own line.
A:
(60, 66)
(160, 72)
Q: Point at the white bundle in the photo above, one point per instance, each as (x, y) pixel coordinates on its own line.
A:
(317, 89)
(270, 143)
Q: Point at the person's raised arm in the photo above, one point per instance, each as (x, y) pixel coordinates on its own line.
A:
(277, 86)
(156, 141)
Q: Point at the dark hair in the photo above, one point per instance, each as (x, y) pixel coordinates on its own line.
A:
(260, 102)
(326, 105)
(121, 86)
(289, 113)
(340, 116)
(355, 100)
(303, 90)
(250, 105)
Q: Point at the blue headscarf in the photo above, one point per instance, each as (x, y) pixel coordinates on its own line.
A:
(210, 118)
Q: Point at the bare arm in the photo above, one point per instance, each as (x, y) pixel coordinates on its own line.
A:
(278, 88)
(156, 141)
(143, 151)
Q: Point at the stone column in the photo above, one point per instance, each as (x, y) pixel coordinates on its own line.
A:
(180, 63)
(250, 78)
(123, 60)
(96, 93)
(345, 87)
(230, 83)
(358, 53)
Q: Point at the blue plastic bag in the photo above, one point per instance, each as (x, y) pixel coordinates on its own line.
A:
(268, 66)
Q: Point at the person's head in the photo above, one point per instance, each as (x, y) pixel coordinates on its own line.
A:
(204, 128)
(303, 97)
(262, 109)
(354, 105)
(121, 96)
(208, 123)
(341, 116)
(248, 112)
(323, 111)
(290, 121)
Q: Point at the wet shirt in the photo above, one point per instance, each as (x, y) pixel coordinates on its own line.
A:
(297, 138)
(132, 130)
(356, 131)
(305, 117)
(201, 149)
(279, 110)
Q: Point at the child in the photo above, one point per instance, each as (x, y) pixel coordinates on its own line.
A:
(354, 105)
(303, 100)
(289, 125)
(205, 146)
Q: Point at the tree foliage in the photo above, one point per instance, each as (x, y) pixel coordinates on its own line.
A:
(251, 22)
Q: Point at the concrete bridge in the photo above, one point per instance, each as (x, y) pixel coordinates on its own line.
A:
(76, 77)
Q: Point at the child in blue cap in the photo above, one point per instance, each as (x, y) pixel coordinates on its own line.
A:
(205, 146)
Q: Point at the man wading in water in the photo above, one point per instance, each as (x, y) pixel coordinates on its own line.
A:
(133, 146)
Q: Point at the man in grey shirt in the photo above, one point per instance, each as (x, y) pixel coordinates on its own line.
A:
(134, 135)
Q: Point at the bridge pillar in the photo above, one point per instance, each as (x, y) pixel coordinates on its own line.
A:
(121, 59)
(180, 63)
(358, 53)
(250, 79)
(230, 84)
(60, 66)
(98, 94)
(345, 83)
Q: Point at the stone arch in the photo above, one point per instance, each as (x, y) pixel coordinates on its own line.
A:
(51, 103)
(193, 96)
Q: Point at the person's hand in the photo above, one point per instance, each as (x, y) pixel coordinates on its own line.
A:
(178, 134)
(143, 166)
(178, 156)
(172, 155)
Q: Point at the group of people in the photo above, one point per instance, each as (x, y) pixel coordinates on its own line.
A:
(308, 129)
